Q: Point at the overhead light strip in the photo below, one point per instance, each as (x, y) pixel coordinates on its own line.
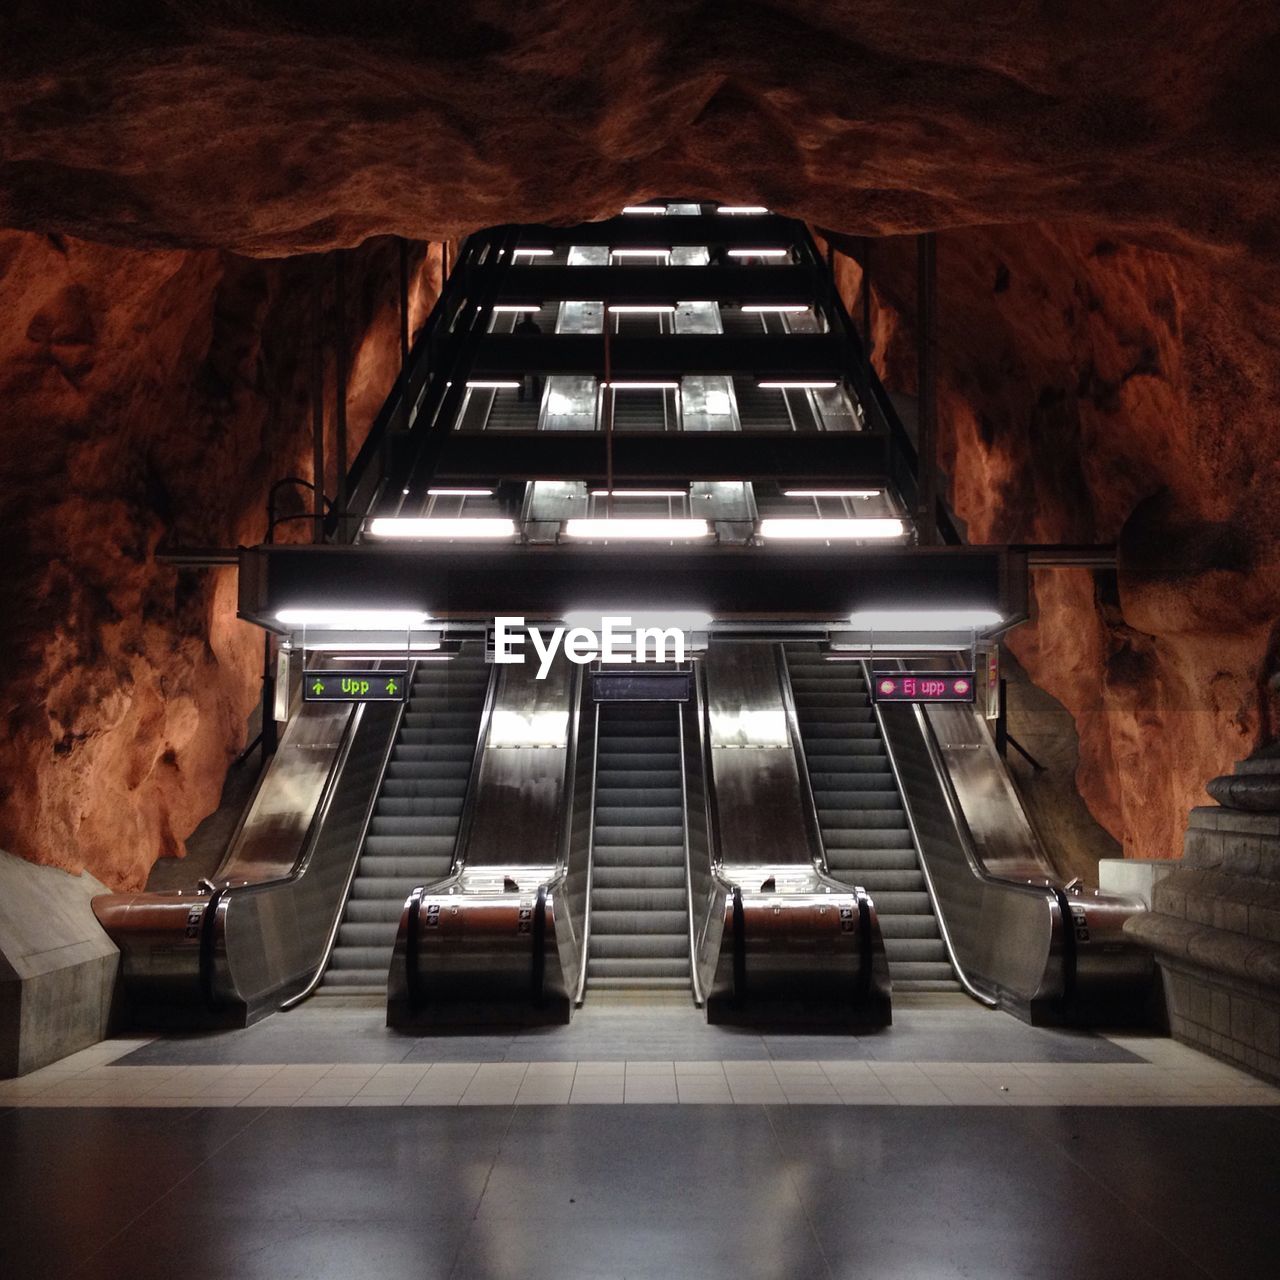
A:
(459, 527)
(630, 528)
(835, 530)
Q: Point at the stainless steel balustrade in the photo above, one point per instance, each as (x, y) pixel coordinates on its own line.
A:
(502, 939)
(1017, 938)
(243, 944)
(774, 935)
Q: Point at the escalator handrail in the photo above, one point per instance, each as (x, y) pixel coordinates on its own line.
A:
(581, 985)
(818, 846)
(392, 738)
(471, 795)
(699, 997)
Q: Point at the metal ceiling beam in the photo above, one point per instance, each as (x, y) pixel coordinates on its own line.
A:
(661, 284)
(740, 583)
(794, 356)
(826, 458)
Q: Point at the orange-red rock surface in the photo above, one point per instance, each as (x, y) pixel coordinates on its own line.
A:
(148, 397)
(1105, 173)
(1095, 392)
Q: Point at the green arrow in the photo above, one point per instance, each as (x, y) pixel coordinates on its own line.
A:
(318, 687)
(392, 687)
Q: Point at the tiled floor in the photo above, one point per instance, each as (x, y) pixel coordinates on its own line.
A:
(639, 1145)
(624, 1055)
(948, 1028)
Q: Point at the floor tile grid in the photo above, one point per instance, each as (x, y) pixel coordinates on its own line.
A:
(1181, 1078)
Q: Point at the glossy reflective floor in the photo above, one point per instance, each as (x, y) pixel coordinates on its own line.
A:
(958, 1143)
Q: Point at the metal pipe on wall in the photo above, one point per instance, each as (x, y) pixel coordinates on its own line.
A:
(317, 410)
(927, 365)
(340, 398)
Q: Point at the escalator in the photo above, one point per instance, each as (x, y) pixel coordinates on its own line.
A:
(860, 812)
(414, 827)
(639, 922)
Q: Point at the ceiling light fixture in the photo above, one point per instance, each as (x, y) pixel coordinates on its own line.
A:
(637, 309)
(831, 530)
(459, 493)
(493, 384)
(639, 493)
(758, 253)
(630, 528)
(925, 619)
(532, 253)
(643, 386)
(353, 619)
(784, 308)
(644, 208)
(442, 527)
(742, 208)
(798, 384)
(832, 493)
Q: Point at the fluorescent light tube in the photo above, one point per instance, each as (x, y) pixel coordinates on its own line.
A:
(794, 384)
(628, 528)
(441, 527)
(353, 619)
(459, 493)
(830, 493)
(831, 530)
(925, 619)
(493, 384)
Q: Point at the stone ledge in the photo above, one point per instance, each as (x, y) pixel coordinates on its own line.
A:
(57, 967)
(1254, 960)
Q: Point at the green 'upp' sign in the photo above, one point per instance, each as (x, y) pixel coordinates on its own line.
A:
(353, 686)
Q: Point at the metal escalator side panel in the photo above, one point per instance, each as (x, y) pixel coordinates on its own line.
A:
(755, 778)
(706, 890)
(272, 940)
(1005, 939)
(471, 948)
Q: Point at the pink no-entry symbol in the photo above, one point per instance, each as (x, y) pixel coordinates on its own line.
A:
(887, 686)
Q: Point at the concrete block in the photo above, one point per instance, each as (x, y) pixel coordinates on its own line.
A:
(1134, 877)
(57, 967)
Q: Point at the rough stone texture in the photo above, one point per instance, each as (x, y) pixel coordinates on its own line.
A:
(1095, 392)
(1105, 173)
(1074, 841)
(57, 967)
(148, 396)
(1215, 929)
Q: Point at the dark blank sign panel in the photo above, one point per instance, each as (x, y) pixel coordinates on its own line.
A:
(922, 686)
